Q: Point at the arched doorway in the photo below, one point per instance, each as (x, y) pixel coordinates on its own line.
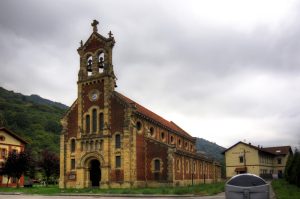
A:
(95, 173)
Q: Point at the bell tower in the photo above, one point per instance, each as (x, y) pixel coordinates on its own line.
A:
(96, 82)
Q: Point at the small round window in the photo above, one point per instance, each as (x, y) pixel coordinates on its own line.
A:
(152, 131)
(138, 125)
(162, 135)
(172, 139)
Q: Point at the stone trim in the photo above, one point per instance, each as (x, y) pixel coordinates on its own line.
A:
(152, 167)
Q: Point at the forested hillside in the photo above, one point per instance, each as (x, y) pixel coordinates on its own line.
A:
(37, 120)
(209, 148)
(33, 118)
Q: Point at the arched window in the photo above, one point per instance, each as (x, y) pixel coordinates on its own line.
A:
(118, 161)
(118, 141)
(178, 165)
(187, 166)
(156, 165)
(73, 145)
(87, 123)
(94, 120)
(101, 121)
(73, 164)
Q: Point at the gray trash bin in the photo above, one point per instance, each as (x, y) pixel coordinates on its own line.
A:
(246, 186)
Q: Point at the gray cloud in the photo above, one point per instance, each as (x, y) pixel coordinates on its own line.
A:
(222, 82)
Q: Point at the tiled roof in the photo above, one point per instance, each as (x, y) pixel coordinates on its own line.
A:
(153, 116)
(13, 134)
(278, 150)
(240, 142)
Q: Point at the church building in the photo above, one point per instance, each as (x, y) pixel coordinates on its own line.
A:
(110, 141)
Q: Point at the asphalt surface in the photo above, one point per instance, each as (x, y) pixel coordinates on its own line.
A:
(20, 196)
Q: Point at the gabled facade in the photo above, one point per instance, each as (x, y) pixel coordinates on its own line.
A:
(9, 142)
(265, 162)
(108, 140)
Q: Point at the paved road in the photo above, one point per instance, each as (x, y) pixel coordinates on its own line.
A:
(219, 196)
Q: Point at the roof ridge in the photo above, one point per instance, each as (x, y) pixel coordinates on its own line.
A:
(154, 116)
(276, 147)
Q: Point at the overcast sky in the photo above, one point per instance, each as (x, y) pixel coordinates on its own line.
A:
(223, 70)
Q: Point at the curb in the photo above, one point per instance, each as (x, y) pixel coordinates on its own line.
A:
(10, 193)
(105, 195)
(128, 195)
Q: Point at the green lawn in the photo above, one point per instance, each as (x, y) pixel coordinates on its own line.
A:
(203, 189)
(284, 190)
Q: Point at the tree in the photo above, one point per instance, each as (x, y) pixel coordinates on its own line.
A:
(49, 164)
(295, 169)
(9, 166)
(16, 165)
(292, 171)
(52, 126)
(31, 169)
(23, 160)
(2, 120)
(288, 169)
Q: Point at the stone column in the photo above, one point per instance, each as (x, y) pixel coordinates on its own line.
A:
(95, 69)
(104, 177)
(171, 166)
(80, 177)
(62, 169)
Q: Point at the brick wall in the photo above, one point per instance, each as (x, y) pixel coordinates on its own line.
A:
(94, 45)
(154, 151)
(117, 116)
(72, 122)
(86, 88)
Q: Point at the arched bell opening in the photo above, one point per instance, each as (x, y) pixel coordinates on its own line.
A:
(101, 61)
(89, 63)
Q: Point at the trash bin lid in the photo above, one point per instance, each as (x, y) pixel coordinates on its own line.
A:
(246, 180)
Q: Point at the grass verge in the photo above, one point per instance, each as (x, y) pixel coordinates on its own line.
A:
(284, 190)
(202, 189)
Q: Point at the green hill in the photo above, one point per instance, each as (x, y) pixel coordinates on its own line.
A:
(33, 118)
(37, 120)
(210, 149)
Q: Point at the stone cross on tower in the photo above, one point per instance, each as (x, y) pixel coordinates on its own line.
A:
(94, 24)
